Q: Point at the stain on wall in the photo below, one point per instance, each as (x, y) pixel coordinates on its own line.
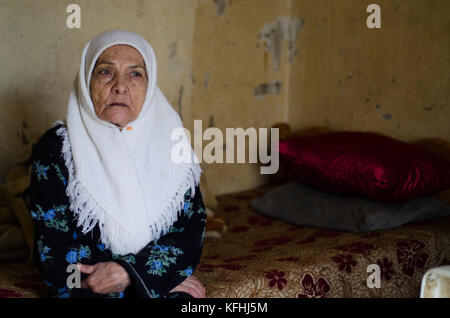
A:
(180, 101)
(174, 64)
(23, 134)
(270, 88)
(206, 81)
(211, 121)
(273, 34)
(387, 116)
(221, 6)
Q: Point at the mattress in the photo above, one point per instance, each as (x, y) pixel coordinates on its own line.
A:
(263, 257)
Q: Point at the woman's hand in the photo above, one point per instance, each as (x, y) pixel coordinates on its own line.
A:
(192, 286)
(105, 277)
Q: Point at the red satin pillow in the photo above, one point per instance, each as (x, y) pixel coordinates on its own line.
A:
(374, 166)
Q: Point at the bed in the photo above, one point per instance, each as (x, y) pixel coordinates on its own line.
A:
(263, 257)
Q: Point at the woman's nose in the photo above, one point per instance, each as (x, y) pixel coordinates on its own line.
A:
(119, 86)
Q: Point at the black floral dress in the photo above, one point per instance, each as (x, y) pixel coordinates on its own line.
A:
(154, 271)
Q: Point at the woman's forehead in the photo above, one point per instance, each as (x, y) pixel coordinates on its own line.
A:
(120, 51)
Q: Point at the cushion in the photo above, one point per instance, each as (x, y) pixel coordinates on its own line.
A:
(299, 204)
(367, 164)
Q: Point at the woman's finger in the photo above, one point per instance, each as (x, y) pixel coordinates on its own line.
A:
(108, 277)
(196, 282)
(190, 287)
(195, 279)
(189, 290)
(186, 289)
(195, 286)
(86, 269)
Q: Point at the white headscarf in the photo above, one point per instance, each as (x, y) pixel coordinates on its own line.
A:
(124, 181)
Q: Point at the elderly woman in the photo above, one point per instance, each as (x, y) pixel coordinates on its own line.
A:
(105, 194)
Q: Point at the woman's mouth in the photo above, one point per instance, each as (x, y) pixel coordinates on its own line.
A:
(118, 104)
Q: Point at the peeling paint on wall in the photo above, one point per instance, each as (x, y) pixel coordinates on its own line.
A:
(206, 82)
(175, 65)
(221, 6)
(180, 101)
(211, 121)
(23, 134)
(173, 47)
(387, 116)
(273, 34)
(270, 88)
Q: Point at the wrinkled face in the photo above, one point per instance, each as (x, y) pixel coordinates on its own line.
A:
(118, 85)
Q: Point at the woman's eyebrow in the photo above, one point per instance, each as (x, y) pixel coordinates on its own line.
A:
(103, 62)
(136, 66)
(110, 63)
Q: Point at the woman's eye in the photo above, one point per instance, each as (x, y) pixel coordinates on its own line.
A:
(104, 72)
(136, 74)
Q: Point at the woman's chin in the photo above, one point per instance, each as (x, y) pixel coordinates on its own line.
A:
(117, 117)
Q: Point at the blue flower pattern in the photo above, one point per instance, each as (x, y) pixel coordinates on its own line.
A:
(40, 170)
(186, 272)
(64, 292)
(188, 206)
(43, 250)
(161, 257)
(77, 254)
(54, 217)
(59, 173)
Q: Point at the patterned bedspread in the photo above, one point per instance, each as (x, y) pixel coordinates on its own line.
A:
(263, 257)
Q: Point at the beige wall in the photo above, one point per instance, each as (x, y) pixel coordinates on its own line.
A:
(393, 80)
(240, 63)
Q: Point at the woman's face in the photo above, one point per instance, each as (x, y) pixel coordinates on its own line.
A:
(118, 85)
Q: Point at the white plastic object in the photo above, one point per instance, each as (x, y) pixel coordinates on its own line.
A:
(436, 283)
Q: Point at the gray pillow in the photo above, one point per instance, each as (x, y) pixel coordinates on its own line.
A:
(299, 204)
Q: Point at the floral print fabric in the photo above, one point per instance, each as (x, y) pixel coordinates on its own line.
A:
(154, 271)
(264, 257)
